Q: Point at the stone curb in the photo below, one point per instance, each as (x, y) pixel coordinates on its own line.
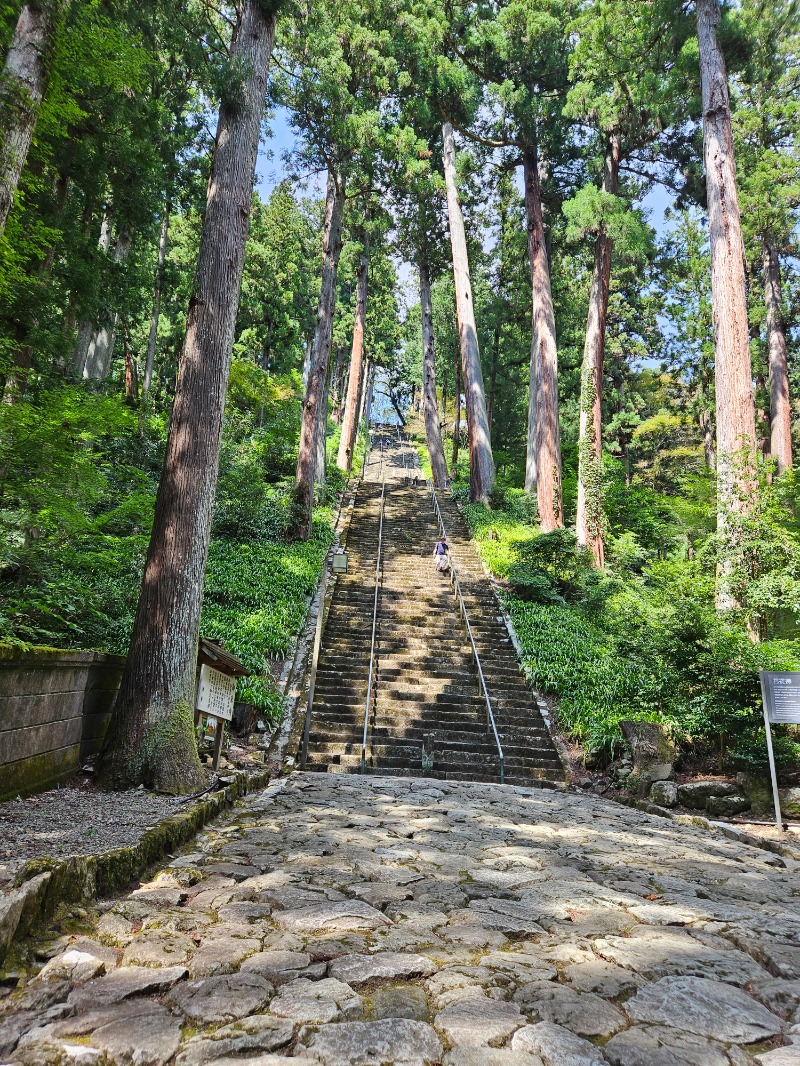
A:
(696, 820)
(42, 885)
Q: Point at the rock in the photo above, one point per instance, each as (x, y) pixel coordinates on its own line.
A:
(695, 794)
(332, 916)
(393, 1042)
(707, 1008)
(477, 1021)
(522, 967)
(664, 793)
(385, 965)
(221, 955)
(399, 1001)
(659, 1046)
(782, 1056)
(779, 996)
(125, 982)
(260, 1033)
(221, 999)
(76, 966)
(654, 953)
(507, 916)
(158, 948)
(652, 749)
(556, 1046)
(489, 1056)
(582, 1013)
(727, 806)
(605, 978)
(282, 966)
(13, 904)
(317, 1002)
(143, 1034)
(790, 802)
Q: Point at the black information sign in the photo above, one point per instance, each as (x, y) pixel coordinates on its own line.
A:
(781, 689)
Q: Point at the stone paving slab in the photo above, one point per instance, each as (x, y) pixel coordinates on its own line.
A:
(395, 922)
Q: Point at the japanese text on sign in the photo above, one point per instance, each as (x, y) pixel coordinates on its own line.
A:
(782, 695)
(216, 693)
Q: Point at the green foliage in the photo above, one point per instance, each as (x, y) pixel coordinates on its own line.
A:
(640, 640)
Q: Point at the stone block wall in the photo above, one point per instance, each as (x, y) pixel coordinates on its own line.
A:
(54, 711)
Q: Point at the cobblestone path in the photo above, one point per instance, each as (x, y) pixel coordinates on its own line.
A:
(358, 922)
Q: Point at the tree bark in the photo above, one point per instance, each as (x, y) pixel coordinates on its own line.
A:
(780, 410)
(736, 428)
(543, 468)
(152, 340)
(481, 462)
(433, 431)
(151, 735)
(313, 403)
(23, 84)
(589, 515)
(347, 441)
(456, 422)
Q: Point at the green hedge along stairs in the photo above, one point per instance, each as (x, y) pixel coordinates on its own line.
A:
(425, 698)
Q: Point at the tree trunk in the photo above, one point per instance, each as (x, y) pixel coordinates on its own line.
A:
(589, 515)
(321, 442)
(456, 422)
(433, 431)
(481, 463)
(22, 87)
(131, 373)
(347, 441)
(339, 375)
(779, 407)
(736, 428)
(95, 346)
(156, 315)
(151, 735)
(543, 467)
(368, 396)
(314, 402)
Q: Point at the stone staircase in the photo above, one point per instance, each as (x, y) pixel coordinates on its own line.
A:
(426, 696)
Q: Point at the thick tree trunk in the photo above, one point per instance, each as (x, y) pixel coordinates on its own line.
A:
(347, 441)
(481, 463)
(456, 422)
(736, 428)
(22, 86)
(321, 442)
(589, 515)
(543, 468)
(152, 339)
(95, 346)
(314, 403)
(151, 736)
(433, 431)
(779, 407)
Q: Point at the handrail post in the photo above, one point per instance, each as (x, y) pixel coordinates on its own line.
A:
(374, 627)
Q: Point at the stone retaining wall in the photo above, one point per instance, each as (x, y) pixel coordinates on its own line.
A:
(54, 711)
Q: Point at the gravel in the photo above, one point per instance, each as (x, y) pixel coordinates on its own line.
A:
(78, 819)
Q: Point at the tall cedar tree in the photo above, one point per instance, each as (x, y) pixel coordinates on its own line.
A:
(481, 463)
(736, 424)
(151, 735)
(347, 441)
(22, 87)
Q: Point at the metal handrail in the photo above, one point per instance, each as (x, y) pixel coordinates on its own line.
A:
(314, 663)
(374, 629)
(463, 608)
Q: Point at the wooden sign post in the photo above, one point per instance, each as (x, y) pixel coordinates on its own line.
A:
(216, 688)
(780, 690)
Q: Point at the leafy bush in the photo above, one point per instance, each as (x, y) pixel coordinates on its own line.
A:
(640, 639)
